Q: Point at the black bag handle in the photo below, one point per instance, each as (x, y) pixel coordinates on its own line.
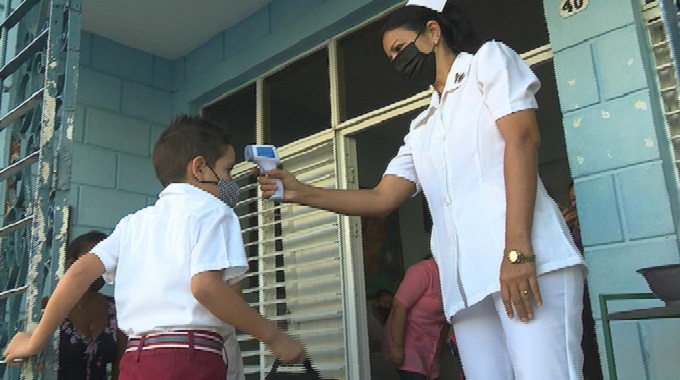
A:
(309, 368)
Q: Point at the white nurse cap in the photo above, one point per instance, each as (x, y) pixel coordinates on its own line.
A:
(435, 5)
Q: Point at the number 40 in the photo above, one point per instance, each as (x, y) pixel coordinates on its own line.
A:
(571, 7)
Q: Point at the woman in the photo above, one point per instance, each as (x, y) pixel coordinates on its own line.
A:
(415, 326)
(497, 236)
(89, 337)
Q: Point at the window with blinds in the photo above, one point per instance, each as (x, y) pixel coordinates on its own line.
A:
(665, 68)
(295, 275)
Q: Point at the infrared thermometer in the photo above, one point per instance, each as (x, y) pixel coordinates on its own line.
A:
(266, 158)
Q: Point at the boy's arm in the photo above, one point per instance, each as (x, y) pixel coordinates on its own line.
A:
(72, 286)
(224, 302)
(238, 288)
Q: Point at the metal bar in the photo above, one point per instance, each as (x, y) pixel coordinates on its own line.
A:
(323, 278)
(18, 13)
(606, 328)
(22, 109)
(4, 36)
(669, 15)
(285, 252)
(319, 212)
(35, 46)
(15, 226)
(13, 292)
(19, 166)
(606, 332)
(336, 82)
(307, 232)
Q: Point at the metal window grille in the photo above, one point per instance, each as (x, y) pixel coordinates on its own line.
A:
(663, 40)
(295, 263)
(39, 44)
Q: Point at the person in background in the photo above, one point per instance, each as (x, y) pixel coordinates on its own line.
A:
(379, 307)
(414, 329)
(89, 338)
(591, 358)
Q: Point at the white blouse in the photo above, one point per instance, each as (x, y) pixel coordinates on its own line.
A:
(153, 254)
(454, 154)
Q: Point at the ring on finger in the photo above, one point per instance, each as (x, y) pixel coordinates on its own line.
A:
(525, 293)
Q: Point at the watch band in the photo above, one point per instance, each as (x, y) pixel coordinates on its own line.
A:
(518, 257)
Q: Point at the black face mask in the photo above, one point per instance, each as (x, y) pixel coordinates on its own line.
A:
(415, 66)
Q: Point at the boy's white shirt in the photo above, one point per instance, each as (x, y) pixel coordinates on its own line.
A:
(153, 253)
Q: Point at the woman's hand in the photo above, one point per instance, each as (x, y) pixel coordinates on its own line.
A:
(21, 346)
(570, 216)
(268, 186)
(519, 286)
(397, 356)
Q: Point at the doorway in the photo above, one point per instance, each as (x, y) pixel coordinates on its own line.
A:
(371, 87)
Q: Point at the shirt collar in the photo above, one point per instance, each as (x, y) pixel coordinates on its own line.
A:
(182, 188)
(457, 76)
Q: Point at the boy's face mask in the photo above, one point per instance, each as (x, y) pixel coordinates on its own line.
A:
(229, 190)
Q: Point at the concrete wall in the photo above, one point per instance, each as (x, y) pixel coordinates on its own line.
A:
(613, 130)
(124, 103)
(275, 34)
(615, 142)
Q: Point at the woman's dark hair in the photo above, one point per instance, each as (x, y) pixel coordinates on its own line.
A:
(455, 26)
(382, 292)
(79, 245)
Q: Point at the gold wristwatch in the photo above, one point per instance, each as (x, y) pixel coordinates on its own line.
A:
(516, 257)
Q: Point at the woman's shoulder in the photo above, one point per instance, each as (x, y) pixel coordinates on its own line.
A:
(494, 52)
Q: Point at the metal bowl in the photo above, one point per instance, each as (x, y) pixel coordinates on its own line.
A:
(664, 282)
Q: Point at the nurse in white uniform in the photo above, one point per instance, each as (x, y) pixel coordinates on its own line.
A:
(511, 277)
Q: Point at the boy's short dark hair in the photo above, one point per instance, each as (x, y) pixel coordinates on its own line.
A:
(186, 138)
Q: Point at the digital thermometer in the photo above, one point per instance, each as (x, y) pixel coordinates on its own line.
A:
(266, 158)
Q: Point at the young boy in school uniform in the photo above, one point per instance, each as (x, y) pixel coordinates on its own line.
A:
(172, 264)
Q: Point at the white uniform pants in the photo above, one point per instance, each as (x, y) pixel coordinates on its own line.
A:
(494, 347)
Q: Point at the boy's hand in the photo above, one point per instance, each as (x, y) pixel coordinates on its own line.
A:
(291, 185)
(287, 349)
(21, 346)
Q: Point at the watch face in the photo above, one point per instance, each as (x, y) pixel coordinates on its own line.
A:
(513, 256)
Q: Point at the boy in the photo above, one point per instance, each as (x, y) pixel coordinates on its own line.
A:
(171, 263)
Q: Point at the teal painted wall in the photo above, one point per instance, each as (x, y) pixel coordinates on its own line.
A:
(124, 102)
(618, 149)
(126, 97)
(275, 34)
(614, 136)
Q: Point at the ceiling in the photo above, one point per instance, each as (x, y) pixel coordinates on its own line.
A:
(166, 28)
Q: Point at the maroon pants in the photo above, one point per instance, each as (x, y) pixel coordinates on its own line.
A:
(171, 364)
